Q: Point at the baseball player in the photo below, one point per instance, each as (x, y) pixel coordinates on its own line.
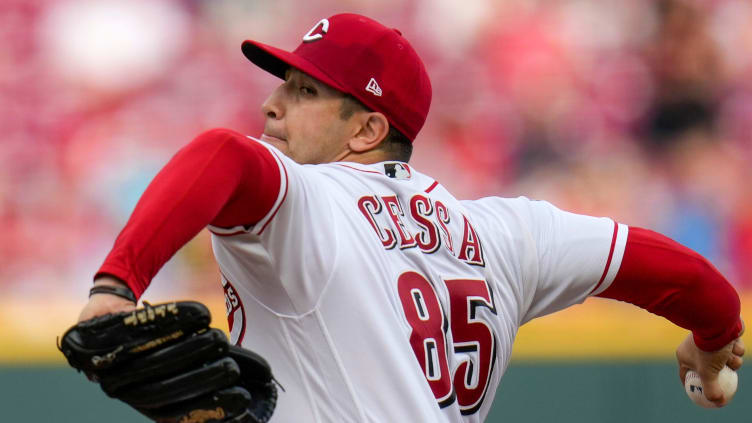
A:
(374, 293)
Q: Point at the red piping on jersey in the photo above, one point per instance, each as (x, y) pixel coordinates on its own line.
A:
(360, 170)
(407, 167)
(230, 234)
(433, 185)
(610, 256)
(287, 185)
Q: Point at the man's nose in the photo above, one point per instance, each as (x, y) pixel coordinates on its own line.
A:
(272, 107)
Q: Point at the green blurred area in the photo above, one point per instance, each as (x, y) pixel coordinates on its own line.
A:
(530, 392)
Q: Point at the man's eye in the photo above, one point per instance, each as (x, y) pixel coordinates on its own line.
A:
(307, 90)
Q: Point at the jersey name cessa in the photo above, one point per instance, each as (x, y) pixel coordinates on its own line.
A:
(432, 217)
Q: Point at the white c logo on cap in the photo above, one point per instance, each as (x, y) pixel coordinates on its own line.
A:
(312, 35)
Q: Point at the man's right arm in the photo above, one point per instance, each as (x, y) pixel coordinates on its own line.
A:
(581, 255)
(670, 280)
(221, 178)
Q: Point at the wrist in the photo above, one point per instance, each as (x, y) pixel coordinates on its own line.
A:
(710, 344)
(108, 280)
(109, 285)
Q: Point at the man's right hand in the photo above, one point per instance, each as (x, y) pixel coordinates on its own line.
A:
(709, 364)
(101, 304)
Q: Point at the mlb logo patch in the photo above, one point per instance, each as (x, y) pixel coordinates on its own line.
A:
(397, 170)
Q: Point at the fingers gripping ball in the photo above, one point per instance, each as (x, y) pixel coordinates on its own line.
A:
(167, 363)
(727, 378)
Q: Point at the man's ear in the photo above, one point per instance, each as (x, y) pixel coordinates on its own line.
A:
(372, 128)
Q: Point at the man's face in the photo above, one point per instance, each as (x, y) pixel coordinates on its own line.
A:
(303, 120)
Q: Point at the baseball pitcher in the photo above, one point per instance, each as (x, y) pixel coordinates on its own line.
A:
(372, 293)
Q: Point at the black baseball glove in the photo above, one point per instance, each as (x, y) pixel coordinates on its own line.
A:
(166, 362)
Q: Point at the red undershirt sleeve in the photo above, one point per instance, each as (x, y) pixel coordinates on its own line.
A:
(221, 178)
(670, 280)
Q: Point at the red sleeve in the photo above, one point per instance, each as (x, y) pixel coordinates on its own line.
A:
(220, 178)
(670, 280)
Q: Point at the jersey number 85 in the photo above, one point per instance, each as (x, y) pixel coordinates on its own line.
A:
(472, 337)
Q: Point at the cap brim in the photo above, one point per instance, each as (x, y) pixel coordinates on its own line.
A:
(276, 61)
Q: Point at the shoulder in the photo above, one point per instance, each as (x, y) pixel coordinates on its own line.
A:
(519, 216)
(217, 134)
(501, 206)
(230, 142)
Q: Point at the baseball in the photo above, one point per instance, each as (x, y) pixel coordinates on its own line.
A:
(693, 385)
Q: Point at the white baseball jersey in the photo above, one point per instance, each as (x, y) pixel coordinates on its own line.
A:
(376, 296)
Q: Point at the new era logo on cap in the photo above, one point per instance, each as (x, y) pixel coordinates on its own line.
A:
(373, 87)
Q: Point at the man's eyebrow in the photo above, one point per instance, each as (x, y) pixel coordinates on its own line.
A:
(308, 78)
(304, 77)
(300, 74)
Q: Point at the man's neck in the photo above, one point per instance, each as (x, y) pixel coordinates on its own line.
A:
(368, 157)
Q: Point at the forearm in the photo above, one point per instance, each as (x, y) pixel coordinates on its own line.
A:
(220, 178)
(672, 281)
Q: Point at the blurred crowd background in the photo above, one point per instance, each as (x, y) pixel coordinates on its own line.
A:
(639, 110)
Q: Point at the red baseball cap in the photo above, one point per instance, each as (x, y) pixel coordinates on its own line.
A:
(361, 57)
